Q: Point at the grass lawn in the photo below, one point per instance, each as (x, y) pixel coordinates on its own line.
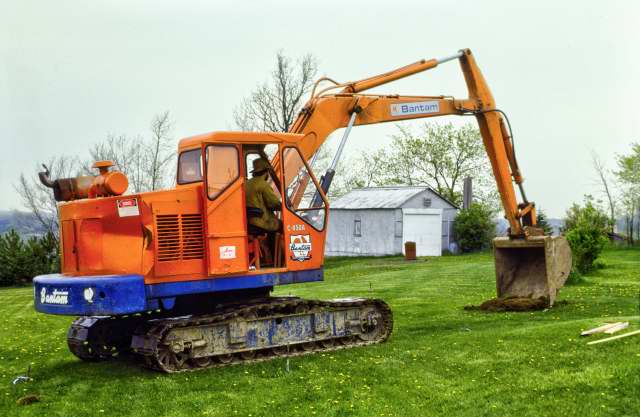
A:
(440, 360)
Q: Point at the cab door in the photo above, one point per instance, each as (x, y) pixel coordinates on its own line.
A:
(225, 209)
(305, 217)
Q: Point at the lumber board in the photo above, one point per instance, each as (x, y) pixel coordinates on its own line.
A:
(620, 336)
(617, 328)
(598, 329)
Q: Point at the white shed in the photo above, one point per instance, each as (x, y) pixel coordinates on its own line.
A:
(379, 220)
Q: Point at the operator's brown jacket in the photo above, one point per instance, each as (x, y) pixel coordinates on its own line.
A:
(259, 194)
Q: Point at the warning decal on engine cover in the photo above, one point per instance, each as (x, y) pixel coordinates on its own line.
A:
(420, 107)
(128, 207)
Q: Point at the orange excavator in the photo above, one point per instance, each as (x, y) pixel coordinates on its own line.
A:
(179, 277)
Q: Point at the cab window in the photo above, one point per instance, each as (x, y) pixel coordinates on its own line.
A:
(222, 168)
(268, 152)
(253, 152)
(189, 167)
(302, 195)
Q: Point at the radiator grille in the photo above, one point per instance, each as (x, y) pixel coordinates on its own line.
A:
(180, 237)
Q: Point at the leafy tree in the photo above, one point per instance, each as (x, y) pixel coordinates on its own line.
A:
(631, 204)
(586, 230)
(12, 257)
(474, 228)
(42, 255)
(20, 261)
(354, 172)
(628, 174)
(629, 165)
(438, 156)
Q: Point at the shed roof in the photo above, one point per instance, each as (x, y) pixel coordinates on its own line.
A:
(390, 197)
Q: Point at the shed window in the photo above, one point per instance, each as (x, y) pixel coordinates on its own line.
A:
(357, 227)
(426, 202)
(398, 228)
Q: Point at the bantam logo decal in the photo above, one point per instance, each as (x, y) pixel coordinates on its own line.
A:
(300, 246)
(419, 107)
(55, 297)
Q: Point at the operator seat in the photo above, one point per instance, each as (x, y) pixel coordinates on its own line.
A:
(259, 239)
(257, 236)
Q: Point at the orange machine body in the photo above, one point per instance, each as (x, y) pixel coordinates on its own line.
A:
(183, 234)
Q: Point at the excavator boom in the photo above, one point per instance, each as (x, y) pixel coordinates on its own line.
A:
(517, 273)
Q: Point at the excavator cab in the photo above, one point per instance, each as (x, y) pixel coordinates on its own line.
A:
(242, 243)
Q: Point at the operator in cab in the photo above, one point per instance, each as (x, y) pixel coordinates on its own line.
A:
(260, 195)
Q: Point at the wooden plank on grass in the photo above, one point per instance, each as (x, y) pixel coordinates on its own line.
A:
(598, 329)
(617, 328)
(620, 336)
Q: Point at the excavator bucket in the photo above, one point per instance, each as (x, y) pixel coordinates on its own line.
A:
(534, 267)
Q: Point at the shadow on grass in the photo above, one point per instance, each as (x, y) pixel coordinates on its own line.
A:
(124, 366)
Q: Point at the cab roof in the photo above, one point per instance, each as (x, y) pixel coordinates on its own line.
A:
(238, 137)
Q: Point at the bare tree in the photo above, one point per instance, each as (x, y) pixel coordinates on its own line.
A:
(147, 164)
(274, 105)
(603, 174)
(39, 199)
(159, 152)
(127, 155)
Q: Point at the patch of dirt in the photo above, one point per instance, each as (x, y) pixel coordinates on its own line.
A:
(512, 304)
(28, 399)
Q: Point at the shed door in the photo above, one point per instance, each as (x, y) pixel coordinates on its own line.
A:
(423, 226)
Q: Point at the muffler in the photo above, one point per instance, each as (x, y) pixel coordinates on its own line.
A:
(532, 267)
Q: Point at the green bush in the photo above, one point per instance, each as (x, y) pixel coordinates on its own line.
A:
(586, 230)
(474, 228)
(21, 260)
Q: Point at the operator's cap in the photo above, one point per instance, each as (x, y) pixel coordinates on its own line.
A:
(260, 164)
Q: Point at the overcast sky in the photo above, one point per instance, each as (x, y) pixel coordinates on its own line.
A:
(566, 72)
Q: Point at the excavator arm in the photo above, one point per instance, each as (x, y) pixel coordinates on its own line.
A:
(528, 264)
(333, 107)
